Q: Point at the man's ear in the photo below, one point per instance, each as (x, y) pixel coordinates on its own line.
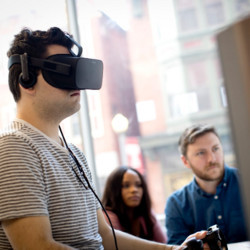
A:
(185, 161)
(29, 91)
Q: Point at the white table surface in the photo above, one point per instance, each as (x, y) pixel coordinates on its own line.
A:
(239, 246)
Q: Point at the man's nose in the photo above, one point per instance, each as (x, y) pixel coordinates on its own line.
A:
(211, 157)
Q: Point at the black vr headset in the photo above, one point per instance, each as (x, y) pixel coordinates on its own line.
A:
(64, 71)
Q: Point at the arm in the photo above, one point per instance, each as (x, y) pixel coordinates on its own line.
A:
(31, 233)
(126, 241)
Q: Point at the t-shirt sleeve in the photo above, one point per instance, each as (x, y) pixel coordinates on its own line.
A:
(22, 189)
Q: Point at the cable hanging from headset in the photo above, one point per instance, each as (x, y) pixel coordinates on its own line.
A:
(88, 184)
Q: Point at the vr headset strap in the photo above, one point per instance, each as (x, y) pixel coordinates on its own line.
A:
(44, 64)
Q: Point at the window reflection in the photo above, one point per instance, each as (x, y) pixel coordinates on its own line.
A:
(241, 6)
(187, 15)
(161, 71)
(214, 12)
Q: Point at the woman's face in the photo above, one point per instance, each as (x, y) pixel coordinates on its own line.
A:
(131, 189)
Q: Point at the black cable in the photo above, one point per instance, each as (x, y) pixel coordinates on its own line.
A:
(89, 186)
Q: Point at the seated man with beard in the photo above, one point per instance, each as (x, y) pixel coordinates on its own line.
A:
(212, 197)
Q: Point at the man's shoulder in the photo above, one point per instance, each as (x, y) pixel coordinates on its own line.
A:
(179, 201)
(231, 171)
(182, 192)
(10, 132)
(20, 135)
(231, 174)
(17, 131)
(14, 128)
(231, 168)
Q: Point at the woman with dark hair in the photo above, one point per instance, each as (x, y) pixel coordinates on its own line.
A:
(127, 202)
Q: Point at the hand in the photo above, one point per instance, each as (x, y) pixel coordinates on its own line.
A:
(197, 235)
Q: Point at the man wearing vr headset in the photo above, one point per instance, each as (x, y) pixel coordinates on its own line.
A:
(45, 184)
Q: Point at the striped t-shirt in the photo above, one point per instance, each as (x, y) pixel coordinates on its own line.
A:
(37, 178)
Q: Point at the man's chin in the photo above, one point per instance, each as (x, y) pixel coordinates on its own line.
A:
(215, 175)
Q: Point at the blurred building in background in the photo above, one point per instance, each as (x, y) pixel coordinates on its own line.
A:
(161, 71)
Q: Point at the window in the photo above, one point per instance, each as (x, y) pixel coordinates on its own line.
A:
(96, 117)
(183, 104)
(137, 8)
(196, 74)
(187, 15)
(214, 12)
(241, 6)
(160, 85)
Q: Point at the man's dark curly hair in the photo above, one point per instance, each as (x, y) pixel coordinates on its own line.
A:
(34, 43)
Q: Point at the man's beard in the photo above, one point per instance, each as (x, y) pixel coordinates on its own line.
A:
(206, 175)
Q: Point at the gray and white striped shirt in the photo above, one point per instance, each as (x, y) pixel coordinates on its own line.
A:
(37, 178)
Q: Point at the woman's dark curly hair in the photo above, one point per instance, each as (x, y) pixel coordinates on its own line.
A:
(34, 43)
(112, 200)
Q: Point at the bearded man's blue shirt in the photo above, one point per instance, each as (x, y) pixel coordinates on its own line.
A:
(190, 209)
